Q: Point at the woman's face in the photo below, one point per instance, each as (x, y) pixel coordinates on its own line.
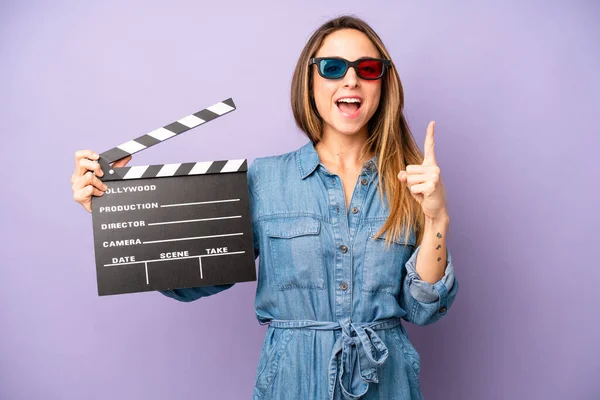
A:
(346, 118)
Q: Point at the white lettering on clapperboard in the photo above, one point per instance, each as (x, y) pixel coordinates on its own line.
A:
(120, 243)
(123, 224)
(128, 207)
(126, 259)
(217, 250)
(130, 189)
(175, 254)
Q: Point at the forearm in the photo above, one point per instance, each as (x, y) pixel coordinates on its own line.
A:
(431, 260)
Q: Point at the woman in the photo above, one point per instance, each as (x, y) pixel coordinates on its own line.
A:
(350, 229)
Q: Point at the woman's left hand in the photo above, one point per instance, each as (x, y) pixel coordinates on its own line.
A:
(424, 181)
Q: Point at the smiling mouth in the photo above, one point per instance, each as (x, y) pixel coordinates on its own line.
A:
(348, 106)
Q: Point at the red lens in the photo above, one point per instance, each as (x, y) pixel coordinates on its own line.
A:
(370, 69)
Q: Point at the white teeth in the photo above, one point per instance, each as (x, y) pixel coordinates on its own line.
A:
(349, 100)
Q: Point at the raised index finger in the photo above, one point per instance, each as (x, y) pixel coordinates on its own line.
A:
(429, 156)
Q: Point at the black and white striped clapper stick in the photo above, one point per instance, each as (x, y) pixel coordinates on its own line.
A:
(172, 226)
(160, 135)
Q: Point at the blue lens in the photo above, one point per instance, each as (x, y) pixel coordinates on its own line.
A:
(332, 68)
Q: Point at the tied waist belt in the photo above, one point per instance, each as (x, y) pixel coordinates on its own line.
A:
(358, 343)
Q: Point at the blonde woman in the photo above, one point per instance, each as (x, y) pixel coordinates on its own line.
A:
(350, 230)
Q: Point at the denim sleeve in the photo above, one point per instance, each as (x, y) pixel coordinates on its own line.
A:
(195, 293)
(424, 302)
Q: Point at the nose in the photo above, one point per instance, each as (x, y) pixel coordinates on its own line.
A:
(350, 79)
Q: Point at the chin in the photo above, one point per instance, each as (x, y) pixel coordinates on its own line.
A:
(348, 128)
(344, 125)
(349, 132)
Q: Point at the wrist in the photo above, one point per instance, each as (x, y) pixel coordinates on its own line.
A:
(443, 218)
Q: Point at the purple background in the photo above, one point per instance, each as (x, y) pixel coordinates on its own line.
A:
(513, 88)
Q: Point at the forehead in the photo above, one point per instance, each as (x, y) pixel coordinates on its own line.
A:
(349, 44)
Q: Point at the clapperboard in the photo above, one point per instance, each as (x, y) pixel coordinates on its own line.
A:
(172, 226)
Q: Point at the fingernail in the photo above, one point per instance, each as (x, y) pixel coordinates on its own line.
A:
(96, 155)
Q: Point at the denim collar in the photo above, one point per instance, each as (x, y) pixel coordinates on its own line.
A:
(308, 160)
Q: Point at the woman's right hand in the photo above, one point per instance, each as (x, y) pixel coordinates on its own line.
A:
(84, 183)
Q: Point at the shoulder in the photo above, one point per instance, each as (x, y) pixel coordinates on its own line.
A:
(275, 166)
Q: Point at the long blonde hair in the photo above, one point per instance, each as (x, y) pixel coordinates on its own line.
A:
(389, 135)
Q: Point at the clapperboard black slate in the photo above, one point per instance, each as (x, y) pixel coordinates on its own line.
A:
(173, 225)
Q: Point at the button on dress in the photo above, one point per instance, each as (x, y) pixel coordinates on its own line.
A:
(333, 297)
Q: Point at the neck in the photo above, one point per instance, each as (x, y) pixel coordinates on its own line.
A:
(342, 152)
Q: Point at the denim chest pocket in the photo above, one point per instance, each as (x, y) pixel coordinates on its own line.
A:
(296, 251)
(383, 266)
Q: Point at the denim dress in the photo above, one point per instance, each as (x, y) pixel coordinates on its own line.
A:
(333, 297)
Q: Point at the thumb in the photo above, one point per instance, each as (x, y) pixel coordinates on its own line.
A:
(402, 176)
(122, 162)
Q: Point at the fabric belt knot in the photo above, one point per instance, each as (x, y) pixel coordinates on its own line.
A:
(356, 354)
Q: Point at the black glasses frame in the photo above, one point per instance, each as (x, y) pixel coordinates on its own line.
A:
(350, 64)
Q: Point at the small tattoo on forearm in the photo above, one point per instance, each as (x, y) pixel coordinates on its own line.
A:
(439, 235)
(439, 246)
